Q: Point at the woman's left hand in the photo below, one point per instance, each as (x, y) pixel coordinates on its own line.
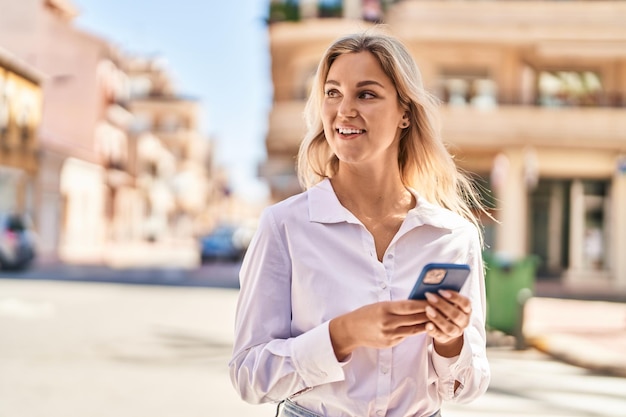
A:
(449, 314)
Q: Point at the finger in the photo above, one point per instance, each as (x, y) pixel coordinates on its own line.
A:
(446, 326)
(406, 331)
(441, 321)
(436, 333)
(453, 314)
(443, 336)
(451, 311)
(407, 307)
(457, 299)
(411, 320)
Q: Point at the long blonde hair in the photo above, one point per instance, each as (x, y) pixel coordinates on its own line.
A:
(425, 163)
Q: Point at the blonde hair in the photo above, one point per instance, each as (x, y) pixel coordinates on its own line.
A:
(425, 163)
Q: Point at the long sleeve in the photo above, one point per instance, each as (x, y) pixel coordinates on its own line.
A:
(269, 363)
(470, 367)
(312, 260)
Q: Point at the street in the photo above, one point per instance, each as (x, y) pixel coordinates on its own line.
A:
(72, 348)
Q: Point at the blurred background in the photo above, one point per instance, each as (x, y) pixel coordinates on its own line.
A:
(139, 142)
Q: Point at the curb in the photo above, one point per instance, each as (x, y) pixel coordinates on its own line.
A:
(584, 333)
(578, 351)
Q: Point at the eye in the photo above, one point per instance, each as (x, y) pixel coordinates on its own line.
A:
(331, 93)
(367, 95)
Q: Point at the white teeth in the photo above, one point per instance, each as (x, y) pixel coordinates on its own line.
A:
(349, 131)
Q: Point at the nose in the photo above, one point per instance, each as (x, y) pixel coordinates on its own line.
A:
(347, 108)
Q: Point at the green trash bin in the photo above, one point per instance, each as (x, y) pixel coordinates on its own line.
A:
(509, 284)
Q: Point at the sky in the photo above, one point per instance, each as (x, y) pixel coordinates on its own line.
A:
(216, 51)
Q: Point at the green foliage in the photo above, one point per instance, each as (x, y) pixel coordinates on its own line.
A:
(287, 11)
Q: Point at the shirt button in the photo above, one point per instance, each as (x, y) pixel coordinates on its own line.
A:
(390, 256)
(384, 370)
(380, 413)
(383, 285)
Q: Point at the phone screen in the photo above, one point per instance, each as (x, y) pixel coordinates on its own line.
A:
(439, 276)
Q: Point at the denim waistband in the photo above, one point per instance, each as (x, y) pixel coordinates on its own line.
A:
(291, 409)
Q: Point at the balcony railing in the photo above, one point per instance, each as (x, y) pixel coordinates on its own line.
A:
(501, 125)
(504, 125)
(599, 99)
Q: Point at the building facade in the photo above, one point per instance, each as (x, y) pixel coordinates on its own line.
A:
(70, 182)
(172, 161)
(104, 179)
(533, 103)
(20, 117)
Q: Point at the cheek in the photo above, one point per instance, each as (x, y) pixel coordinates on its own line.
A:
(327, 121)
(328, 133)
(326, 112)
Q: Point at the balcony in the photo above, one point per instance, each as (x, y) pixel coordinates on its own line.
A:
(518, 22)
(510, 125)
(475, 129)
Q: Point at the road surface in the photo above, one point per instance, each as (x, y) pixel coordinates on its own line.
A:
(76, 349)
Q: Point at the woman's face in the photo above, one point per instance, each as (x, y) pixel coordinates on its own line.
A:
(361, 113)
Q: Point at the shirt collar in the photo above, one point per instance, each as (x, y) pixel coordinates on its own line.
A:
(324, 207)
(431, 214)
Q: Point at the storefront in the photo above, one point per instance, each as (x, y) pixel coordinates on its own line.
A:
(571, 217)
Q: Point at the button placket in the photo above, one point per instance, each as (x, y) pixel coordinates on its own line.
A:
(388, 263)
(383, 389)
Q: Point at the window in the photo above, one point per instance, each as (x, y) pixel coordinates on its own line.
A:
(140, 87)
(4, 108)
(569, 88)
(8, 91)
(468, 87)
(142, 122)
(25, 112)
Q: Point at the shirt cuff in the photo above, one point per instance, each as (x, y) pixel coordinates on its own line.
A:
(449, 370)
(443, 365)
(314, 357)
(451, 366)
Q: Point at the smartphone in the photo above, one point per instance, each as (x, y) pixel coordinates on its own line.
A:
(439, 276)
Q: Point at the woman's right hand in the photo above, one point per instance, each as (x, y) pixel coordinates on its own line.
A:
(379, 325)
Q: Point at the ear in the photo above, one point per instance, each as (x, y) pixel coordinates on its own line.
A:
(406, 121)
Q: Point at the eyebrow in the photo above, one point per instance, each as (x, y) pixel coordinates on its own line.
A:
(359, 84)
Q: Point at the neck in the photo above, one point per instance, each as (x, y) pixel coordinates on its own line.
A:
(371, 194)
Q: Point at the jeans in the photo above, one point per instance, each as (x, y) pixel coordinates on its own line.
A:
(291, 409)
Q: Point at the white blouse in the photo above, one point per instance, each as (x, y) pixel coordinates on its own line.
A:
(312, 260)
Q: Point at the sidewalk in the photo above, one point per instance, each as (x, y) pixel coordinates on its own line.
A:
(172, 253)
(582, 326)
(586, 333)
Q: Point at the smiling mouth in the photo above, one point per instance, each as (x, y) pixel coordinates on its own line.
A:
(349, 132)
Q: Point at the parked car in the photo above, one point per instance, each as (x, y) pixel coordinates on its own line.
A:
(225, 242)
(17, 242)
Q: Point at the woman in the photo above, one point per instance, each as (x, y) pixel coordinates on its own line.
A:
(323, 323)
